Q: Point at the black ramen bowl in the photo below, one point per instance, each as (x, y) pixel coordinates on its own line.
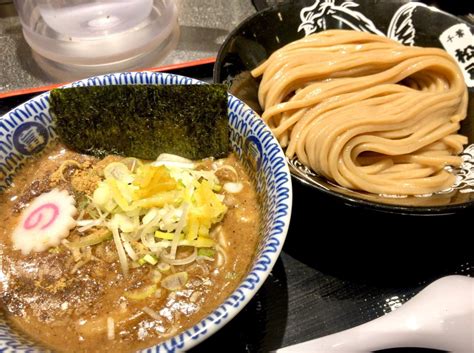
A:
(256, 38)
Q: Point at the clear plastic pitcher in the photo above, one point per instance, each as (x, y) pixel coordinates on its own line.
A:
(106, 35)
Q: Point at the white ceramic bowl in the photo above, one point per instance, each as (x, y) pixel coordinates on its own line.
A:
(252, 142)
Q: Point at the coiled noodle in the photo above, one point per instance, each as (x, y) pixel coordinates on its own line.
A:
(366, 112)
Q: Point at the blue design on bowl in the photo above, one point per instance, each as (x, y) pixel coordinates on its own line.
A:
(27, 129)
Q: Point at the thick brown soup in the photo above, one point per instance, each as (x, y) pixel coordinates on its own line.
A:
(78, 296)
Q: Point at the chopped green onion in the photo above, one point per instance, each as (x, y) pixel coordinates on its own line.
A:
(82, 204)
(151, 207)
(164, 235)
(150, 259)
(141, 294)
(207, 252)
(97, 237)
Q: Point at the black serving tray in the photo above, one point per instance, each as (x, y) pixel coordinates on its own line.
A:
(337, 269)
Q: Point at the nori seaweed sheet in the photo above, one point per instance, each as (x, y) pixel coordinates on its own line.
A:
(143, 121)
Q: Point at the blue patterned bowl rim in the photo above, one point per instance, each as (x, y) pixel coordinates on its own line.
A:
(272, 179)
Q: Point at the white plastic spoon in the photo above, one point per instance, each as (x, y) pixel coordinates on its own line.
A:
(441, 316)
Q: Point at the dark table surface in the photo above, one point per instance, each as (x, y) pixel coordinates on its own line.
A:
(340, 266)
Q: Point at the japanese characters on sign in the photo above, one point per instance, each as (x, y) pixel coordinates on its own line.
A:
(459, 42)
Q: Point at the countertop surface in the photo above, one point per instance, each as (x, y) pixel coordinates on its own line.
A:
(340, 266)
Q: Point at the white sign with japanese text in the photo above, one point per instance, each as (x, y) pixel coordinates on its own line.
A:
(459, 42)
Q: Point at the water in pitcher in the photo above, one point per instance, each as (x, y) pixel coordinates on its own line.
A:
(85, 19)
(96, 36)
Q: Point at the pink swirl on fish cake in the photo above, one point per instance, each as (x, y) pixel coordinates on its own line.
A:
(34, 218)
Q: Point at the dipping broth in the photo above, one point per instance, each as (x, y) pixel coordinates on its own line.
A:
(78, 297)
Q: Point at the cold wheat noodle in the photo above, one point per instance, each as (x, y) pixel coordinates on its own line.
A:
(366, 112)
